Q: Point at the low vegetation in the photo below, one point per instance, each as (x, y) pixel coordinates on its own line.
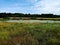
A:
(12, 33)
(21, 16)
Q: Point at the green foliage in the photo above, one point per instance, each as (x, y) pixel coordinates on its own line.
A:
(29, 33)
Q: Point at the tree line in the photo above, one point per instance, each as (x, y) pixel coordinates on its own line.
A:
(2, 15)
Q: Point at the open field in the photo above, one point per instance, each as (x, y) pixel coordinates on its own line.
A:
(32, 21)
(48, 18)
(29, 18)
(12, 33)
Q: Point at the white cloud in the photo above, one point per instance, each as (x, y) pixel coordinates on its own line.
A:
(47, 6)
(38, 6)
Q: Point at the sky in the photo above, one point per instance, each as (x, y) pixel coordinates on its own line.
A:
(30, 6)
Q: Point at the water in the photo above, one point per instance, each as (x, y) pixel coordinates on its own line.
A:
(41, 21)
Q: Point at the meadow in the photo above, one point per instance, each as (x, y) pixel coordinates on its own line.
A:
(12, 33)
(29, 18)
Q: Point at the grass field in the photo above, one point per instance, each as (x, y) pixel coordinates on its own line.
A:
(12, 33)
(48, 18)
(29, 18)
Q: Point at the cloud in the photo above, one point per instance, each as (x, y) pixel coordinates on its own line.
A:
(18, 7)
(32, 6)
(47, 6)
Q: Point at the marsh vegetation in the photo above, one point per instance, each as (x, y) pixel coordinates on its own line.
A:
(12, 33)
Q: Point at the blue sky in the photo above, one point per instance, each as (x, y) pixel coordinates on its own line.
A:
(30, 6)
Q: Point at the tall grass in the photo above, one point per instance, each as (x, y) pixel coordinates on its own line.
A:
(29, 33)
